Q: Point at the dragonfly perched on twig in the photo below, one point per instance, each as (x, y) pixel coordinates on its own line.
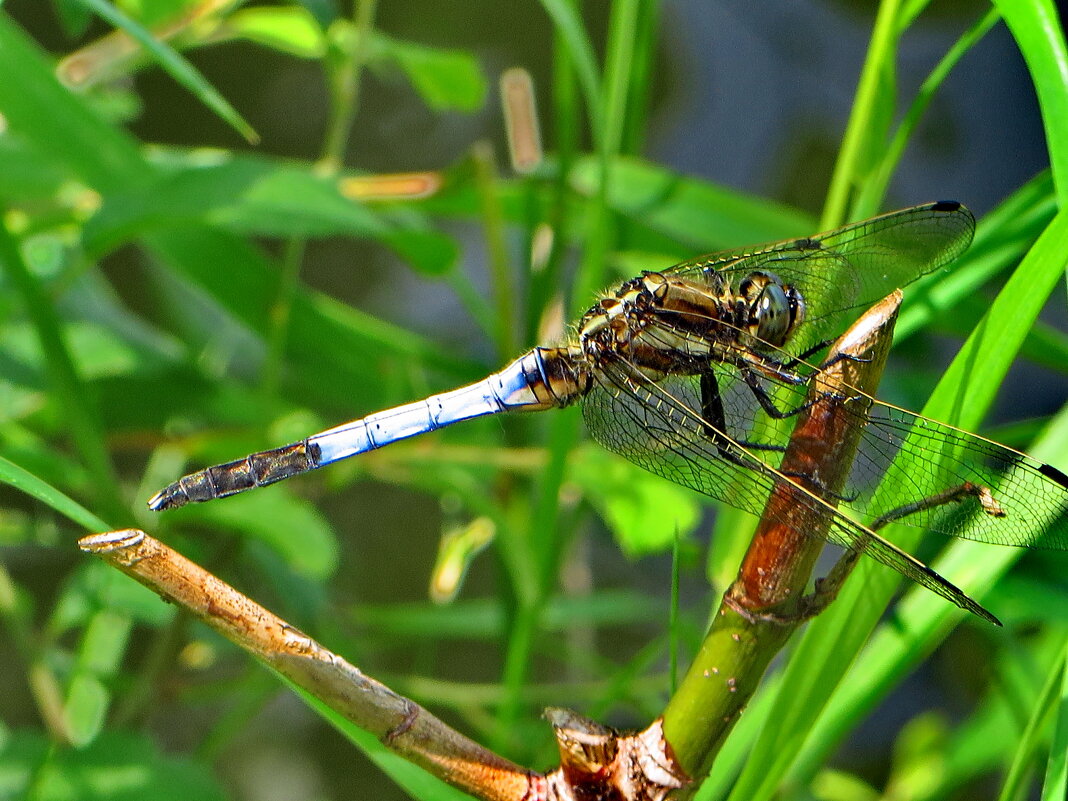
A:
(690, 373)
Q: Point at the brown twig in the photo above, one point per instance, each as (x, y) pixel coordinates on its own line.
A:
(404, 726)
(767, 601)
(637, 767)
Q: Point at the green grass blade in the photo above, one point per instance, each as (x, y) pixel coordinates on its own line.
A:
(1055, 785)
(568, 23)
(176, 66)
(700, 215)
(25, 481)
(870, 198)
(262, 197)
(873, 104)
(1038, 32)
(61, 124)
(1033, 734)
(81, 416)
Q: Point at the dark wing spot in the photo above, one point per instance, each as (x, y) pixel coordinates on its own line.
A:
(1053, 473)
(945, 205)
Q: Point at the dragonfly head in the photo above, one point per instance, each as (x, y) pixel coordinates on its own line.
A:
(775, 308)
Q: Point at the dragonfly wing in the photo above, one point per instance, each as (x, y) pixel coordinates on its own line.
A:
(660, 427)
(905, 458)
(851, 266)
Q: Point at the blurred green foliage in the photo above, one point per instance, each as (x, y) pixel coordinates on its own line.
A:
(155, 317)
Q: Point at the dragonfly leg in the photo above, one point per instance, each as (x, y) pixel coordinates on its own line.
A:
(806, 354)
(957, 494)
(765, 401)
(827, 588)
(716, 423)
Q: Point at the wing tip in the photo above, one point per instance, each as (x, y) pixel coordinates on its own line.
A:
(1055, 475)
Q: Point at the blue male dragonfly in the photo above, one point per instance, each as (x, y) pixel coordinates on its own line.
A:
(690, 371)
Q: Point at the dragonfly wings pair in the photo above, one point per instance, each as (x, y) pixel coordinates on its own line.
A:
(695, 373)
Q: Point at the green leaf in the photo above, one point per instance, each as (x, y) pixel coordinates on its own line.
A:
(86, 708)
(644, 511)
(325, 336)
(24, 481)
(445, 79)
(262, 197)
(295, 529)
(117, 766)
(700, 214)
(26, 173)
(568, 23)
(1055, 784)
(288, 29)
(1050, 698)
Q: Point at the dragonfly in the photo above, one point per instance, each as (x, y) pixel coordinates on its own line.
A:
(692, 372)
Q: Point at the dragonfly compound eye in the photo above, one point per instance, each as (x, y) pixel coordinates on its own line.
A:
(776, 313)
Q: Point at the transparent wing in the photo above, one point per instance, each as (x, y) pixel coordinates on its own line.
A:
(904, 457)
(660, 427)
(851, 266)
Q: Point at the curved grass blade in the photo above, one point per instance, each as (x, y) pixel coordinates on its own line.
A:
(177, 67)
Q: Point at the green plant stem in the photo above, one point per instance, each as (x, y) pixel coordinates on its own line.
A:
(1023, 757)
(622, 32)
(80, 416)
(544, 284)
(345, 83)
(45, 688)
(870, 197)
(644, 63)
(878, 68)
(501, 271)
(564, 429)
(279, 316)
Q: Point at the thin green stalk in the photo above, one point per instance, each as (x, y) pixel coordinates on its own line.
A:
(345, 83)
(1055, 782)
(79, 415)
(45, 687)
(1023, 757)
(279, 316)
(544, 285)
(473, 301)
(563, 431)
(673, 623)
(545, 546)
(571, 37)
(501, 271)
(871, 195)
(621, 40)
(644, 62)
(564, 428)
(878, 68)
